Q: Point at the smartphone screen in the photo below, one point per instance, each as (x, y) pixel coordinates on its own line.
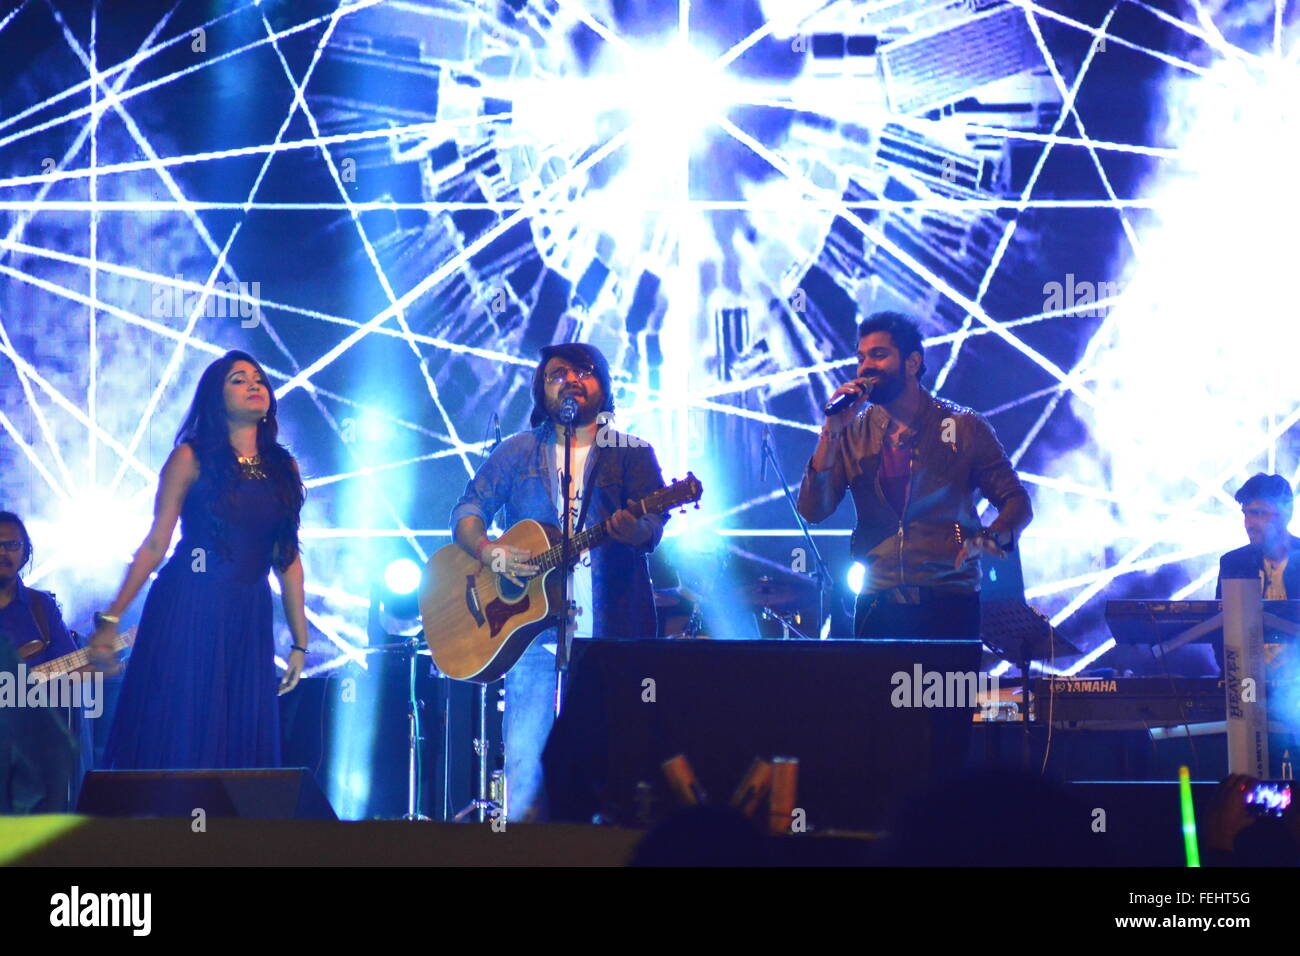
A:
(1269, 797)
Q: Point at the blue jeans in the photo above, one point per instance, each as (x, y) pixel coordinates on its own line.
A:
(530, 712)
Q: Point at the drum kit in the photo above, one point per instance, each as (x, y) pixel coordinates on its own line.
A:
(683, 610)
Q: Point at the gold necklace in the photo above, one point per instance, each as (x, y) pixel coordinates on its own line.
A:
(251, 467)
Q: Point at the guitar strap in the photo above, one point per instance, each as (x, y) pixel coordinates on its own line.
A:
(37, 608)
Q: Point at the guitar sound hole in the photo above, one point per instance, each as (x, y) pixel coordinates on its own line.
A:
(509, 590)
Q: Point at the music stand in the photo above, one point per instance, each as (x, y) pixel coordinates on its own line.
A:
(1013, 630)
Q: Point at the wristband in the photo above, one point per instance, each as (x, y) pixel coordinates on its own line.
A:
(479, 551)
(995, 537)
(297, 648)
(102, 618)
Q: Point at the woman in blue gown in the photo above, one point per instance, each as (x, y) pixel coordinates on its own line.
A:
(200, 691)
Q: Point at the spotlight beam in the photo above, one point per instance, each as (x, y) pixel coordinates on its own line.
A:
(1147, 543)
(1215, 39)
(369, 470)
(58, 398)
(215, 350)
(353, 7)
(1068, 98)
(296, 103)
(240, 152)
(1211, 574)
(1107, 38)
(262, 303)
(451, 265)
(766, 30)
(299, 102)
(127, 66)
(13, 13)
(629, 203)
(31, 456)
(1147, 564)
(926, 126)
(169, 182)
(24, 381)
(600, 29)
(904, 257)
(221, 255)
(317, 621)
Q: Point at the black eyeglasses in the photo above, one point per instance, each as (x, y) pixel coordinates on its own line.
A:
(558, 376)
(14, 546)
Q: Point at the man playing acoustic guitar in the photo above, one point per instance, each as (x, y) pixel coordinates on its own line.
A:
(611, 588)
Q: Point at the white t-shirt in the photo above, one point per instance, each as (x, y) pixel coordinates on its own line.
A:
(580, 591)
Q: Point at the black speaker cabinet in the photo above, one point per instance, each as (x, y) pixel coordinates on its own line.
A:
(272, 794)
(631, 705)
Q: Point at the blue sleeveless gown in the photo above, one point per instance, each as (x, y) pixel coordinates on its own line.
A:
(200, 685)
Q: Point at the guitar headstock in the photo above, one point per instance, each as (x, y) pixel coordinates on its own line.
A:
(680, 493)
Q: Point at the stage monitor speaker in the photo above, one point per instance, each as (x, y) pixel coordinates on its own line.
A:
(266, 794)
(632, 704)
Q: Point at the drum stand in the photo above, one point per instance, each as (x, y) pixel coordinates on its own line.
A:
(787, 623)
(484, 803)
(414, 739)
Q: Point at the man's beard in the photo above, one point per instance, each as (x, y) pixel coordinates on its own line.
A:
(1271, 541)
(587, 410)
(887, 388)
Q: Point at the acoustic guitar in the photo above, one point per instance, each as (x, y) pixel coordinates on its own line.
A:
(478, 623)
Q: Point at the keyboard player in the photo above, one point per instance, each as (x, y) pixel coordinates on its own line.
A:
(1273, 554)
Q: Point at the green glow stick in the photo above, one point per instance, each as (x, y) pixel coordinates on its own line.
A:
(1189, 817)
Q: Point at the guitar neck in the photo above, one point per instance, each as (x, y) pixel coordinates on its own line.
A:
(580, 543)
(657, 502)
(74, 661)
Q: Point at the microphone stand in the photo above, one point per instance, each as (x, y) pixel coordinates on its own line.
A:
(568, 412)
(820, 573)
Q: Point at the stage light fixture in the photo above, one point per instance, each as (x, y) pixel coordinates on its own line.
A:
(402, 576)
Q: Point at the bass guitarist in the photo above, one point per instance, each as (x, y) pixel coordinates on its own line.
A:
(31, 621)
(611, 590)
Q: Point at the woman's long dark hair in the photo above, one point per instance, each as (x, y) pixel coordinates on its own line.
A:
(207, 430)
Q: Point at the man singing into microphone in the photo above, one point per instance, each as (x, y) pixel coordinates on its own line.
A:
(914, 464)
(611, 585)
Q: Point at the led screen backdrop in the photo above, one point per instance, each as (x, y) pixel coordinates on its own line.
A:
(1088, 206)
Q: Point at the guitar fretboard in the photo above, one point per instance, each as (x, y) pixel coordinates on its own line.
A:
(580, 542)
(72, 662)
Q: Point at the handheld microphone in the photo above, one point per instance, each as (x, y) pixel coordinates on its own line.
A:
(568, 410)
(841, 402)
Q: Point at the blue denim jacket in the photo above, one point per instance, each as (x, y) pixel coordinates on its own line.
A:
(519, 477)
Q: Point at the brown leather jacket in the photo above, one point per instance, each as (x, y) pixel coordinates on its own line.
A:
(955, 455)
